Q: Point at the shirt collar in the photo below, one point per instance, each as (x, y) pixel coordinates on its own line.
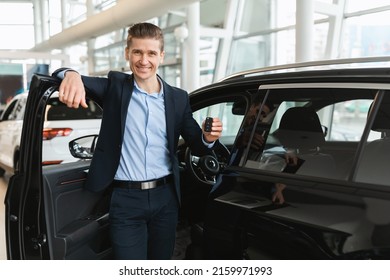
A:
(154, 94)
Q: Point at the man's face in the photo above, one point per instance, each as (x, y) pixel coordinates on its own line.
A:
(254, 111)
(144, 56)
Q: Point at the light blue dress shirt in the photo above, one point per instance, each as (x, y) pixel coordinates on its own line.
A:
(145, 154)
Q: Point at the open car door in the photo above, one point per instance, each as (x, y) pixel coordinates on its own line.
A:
(49, 215)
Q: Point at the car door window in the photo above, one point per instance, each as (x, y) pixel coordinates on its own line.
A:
(58, 111)
(345, 121)
(312, 132)
(225, 112)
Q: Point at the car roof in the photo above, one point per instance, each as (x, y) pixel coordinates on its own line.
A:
(323, 66)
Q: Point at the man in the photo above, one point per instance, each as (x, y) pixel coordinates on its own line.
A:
(143, 118)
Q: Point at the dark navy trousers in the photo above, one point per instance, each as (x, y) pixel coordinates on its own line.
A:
(143, 223)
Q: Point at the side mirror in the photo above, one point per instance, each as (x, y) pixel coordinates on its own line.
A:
(83, 147)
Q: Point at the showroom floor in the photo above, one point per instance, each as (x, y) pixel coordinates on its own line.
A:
(3, 188)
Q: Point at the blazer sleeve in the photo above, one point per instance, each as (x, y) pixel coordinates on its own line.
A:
(95, 87)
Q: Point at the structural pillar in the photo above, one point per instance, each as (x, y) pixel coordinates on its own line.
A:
(304, 31)
(191, 46)
(91, 42)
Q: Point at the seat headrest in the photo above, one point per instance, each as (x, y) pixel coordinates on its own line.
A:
(300, 128)
(300, 118)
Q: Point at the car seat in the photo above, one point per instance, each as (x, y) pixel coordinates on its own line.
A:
(300, 131)
(374, 165)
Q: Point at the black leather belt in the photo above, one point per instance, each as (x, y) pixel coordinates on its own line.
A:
(143, 185)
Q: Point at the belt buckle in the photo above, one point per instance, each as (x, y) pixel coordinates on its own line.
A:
(148, 185)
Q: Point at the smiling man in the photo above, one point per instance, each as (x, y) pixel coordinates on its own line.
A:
(135, 155)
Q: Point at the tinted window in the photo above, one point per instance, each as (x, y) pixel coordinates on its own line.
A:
(57, 111)
(312, 132)
(345, 120)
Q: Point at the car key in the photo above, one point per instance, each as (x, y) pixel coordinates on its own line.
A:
(208, 124)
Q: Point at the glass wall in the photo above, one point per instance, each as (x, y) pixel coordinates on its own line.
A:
(367, 35)
(16, 26)
(248, 53)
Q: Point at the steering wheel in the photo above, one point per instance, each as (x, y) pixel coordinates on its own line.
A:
(206, 168)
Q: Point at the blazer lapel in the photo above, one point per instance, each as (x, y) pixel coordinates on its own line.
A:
(169, 116)
(127, 91)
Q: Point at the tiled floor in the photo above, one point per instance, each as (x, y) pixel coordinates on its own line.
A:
(3, 189)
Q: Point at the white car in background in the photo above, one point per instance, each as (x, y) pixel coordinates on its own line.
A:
(62, 124)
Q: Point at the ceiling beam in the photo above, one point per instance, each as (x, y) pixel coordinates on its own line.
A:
(123, 14)
(12, 54)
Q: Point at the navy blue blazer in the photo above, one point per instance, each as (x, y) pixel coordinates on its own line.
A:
(114, 93)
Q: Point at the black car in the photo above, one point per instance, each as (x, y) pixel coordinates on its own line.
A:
(302, 172)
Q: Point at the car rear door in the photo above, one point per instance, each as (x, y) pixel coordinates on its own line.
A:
(321, 206)
(49, 215)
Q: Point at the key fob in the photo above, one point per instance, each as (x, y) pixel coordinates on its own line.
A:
(208, 124)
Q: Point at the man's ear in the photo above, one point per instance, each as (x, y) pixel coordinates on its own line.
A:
(127, 57)
(162, 57)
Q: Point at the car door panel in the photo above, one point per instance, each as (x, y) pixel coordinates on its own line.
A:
(77, 218)
(318, 221)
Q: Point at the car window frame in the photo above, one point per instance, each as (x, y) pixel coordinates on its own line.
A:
(380, 91)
